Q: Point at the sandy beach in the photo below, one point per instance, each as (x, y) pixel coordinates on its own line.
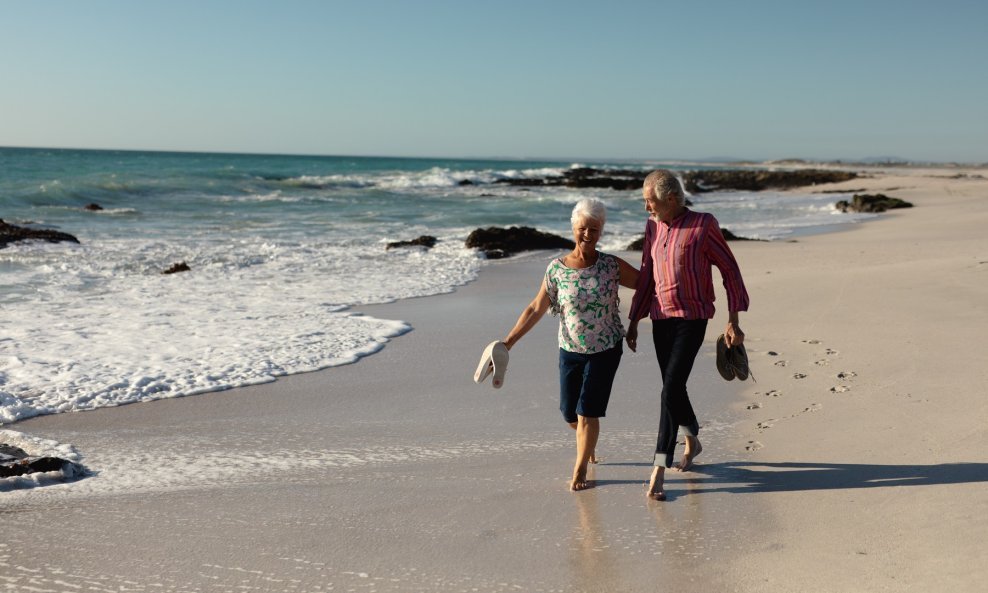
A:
(858, 461)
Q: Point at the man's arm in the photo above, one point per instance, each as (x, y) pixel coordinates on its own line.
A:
(641, 302)
(720, 255)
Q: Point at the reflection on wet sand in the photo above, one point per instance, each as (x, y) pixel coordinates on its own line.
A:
(592, 560)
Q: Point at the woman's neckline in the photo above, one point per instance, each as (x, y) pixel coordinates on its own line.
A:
(562, 260)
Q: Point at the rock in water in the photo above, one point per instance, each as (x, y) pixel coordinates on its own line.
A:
(10, 233)
(427, 241)
(14, 461)
(179, 267)
(871, 203)
(498, 242)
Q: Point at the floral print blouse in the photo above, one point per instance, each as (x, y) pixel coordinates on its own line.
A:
(586, 301)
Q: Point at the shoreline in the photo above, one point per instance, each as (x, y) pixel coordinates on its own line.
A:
(401, 474)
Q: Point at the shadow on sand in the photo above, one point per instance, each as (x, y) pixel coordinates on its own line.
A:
(750, 477)
(741, 477)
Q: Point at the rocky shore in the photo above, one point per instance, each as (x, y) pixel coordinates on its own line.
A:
(696, 181)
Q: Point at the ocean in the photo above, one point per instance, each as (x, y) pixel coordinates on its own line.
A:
(283, 251)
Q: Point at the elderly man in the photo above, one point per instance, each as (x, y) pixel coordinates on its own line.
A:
(675, 289)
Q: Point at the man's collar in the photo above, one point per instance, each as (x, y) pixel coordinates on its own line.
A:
(678, 218)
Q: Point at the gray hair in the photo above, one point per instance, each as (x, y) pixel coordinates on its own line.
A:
(665, 184)
(591, 208)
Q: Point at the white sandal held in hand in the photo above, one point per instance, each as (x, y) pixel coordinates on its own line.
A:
(493, 360)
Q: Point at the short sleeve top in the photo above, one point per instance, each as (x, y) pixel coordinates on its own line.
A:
(586, 301)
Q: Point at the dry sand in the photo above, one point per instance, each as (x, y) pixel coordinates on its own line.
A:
(857, 462)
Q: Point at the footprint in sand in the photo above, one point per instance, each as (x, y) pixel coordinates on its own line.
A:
(754, 406)
(772, 353)
(753, 446)
(846, 375)
(812, 408)
(839, 389)
(822, 363)
(811, 341)
(799, 376)
(782, 363)
(765, 424)
(773, 393)
(830, 352)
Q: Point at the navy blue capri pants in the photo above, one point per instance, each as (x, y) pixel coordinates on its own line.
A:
(585, 382)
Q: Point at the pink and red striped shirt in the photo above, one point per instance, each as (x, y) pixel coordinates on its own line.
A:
(676, 278)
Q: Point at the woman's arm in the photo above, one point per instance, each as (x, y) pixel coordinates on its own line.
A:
(529, 317)
(629, 275)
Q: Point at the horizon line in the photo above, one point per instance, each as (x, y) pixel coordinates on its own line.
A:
(889, 160)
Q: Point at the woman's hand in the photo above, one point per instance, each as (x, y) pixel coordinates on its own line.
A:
(632, 336)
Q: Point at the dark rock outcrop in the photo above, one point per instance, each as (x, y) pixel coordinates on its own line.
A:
(694, 181)
(498, 242)
(754, 180)
(93, 207)
(179, 267)
(427, 241)
(11, 233)
(585, 177)
(871, 203)
(14, 461)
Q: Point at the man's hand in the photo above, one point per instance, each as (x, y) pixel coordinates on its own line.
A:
(632, 336)
(733, 335)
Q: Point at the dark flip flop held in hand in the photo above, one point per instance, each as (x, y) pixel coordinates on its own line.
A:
(732, 362)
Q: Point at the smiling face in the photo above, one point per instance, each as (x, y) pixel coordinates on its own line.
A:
(586, 233)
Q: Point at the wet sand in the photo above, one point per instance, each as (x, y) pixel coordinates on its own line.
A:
(857, 462)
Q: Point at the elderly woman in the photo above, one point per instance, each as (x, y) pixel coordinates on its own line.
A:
(582, 289)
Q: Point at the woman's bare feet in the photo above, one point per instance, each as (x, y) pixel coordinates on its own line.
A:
(693, 448)
(654, 488)
(593, 457)
(587, 431)
(579, 480)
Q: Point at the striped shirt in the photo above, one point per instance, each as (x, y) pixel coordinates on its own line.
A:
(679, 255)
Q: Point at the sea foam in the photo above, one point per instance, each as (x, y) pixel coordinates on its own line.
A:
(104, 327)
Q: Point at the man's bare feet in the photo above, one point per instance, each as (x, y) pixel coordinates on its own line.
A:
(579, 480)
(654, 487)
(693, 448)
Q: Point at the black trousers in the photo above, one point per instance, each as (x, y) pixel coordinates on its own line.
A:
(677, 342)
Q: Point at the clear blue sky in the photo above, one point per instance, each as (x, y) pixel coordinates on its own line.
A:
(615, 79)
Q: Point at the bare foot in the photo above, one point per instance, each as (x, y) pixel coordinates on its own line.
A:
(654, 487)
(579, 480)
(593, 458)
(693, 448)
